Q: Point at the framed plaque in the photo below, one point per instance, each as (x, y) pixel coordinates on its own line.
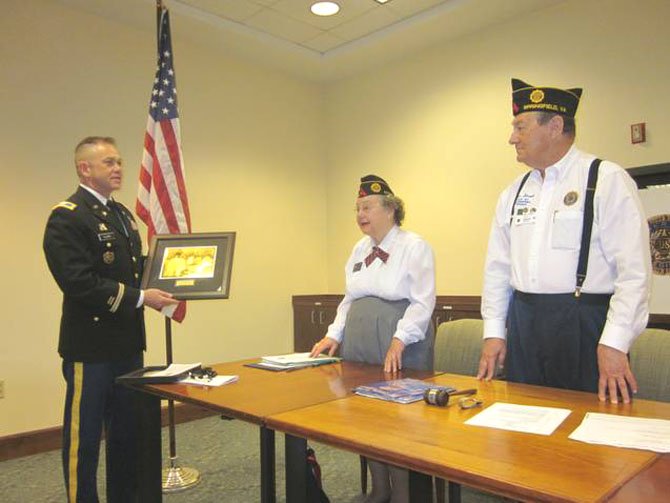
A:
(191, 266)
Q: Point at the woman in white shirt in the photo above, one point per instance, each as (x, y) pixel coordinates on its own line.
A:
(385, 316)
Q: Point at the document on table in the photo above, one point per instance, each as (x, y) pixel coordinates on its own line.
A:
(214, 381)
(524, 418)
(293, 361)
(624, 431)
(172, 370)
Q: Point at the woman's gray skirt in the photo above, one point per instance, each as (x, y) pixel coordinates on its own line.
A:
(369, 328)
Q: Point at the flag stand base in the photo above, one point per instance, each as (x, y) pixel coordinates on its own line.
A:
(177, 478)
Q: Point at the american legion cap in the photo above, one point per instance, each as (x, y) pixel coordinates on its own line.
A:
(372, 185)
(527, 98)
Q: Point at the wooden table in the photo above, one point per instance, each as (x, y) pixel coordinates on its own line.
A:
(257, 395)
(435, 441)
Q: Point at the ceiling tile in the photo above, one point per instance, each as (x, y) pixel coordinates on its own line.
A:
(266, 3)
(411, 7)
(372, 21)
(282, 26)
(229, 9)
(324, 42)
(349, 9)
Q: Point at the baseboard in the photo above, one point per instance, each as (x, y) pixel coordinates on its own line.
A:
(49, 439)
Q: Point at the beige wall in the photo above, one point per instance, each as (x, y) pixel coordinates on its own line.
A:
(253, 163)
(435, 125)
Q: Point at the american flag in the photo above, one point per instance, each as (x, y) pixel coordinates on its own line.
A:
(162, 203)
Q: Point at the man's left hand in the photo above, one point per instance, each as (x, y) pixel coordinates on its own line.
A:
(393, 361)
(615, 375)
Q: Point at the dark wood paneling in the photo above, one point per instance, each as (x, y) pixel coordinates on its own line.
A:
(313, 313)
(659, 321)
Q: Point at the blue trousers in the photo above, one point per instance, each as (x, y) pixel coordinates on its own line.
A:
(92, 402)
(553, 339)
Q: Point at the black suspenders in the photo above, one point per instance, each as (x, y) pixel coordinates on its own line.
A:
(582, 263)
(523, 182)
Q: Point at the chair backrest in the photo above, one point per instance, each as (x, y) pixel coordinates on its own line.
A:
(458, 346)
(650, 362)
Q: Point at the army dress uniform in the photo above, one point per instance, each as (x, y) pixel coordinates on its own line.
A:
(94, 254)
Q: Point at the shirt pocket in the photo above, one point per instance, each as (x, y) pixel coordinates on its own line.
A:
(567, 229)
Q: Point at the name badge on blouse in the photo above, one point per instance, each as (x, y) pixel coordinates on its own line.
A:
(357, 266)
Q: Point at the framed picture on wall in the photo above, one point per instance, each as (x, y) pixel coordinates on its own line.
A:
(653, 184)
(191, 266)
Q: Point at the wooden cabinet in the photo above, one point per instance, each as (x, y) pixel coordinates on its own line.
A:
(659, 321)
(313, 313)
(311, 316)
(456, 307)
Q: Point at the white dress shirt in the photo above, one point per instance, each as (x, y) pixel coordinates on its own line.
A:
(538, 251)
(409, 273)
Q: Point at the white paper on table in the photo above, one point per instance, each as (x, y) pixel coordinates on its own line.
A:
(172, 370)
(298, 359)
(524, 418)
(624, 431)
(214, 381)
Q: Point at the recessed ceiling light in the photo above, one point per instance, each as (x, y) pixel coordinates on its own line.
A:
(325, 8)
(382, 1)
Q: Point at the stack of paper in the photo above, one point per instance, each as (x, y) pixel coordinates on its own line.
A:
(624, 431)
(214, 381)
(398, 390)
(173, 370)
(295, 361)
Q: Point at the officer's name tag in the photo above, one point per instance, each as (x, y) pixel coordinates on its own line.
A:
(106, 236)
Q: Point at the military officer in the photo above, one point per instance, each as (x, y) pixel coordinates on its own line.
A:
(94, 252)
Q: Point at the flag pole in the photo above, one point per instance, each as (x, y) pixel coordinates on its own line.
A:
(175, 478)
(159, 12)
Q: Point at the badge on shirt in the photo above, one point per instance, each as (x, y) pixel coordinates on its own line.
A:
(525, 210)
(106, 236)
(570, 198)
(525, 216)
(108, 257)
(524, 200)
(102, 227)
(357, 266)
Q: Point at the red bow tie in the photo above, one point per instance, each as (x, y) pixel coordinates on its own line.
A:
(376, 253)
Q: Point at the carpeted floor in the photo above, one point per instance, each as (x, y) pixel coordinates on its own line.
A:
(225, 452)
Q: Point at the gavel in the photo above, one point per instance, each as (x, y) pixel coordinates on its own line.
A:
(441, 396)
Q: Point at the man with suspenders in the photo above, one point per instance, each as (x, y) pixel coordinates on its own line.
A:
(567, 274)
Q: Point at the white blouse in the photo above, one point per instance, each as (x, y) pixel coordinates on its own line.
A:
(409, 273)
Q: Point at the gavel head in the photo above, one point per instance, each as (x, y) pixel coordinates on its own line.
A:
(441, 396)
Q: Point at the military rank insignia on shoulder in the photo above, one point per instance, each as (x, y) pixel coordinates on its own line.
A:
(65, 204)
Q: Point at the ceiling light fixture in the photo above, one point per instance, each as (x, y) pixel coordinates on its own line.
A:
(382, 1)
(325, 8)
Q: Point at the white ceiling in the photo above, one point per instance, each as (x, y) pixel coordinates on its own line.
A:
(292, 21)
(285, 34)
